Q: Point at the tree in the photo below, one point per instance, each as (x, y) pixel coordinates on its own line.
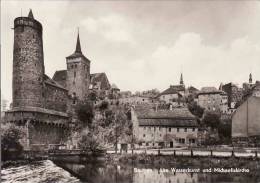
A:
(10, 144)
(224, 130)
(103, 106)
(85, 112)
(211, 119)
(92, 96)
(195, 109)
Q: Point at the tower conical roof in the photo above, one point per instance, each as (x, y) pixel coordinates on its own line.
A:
(30, 15)
(78, 47)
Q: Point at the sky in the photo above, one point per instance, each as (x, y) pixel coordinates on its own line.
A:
(142, 45)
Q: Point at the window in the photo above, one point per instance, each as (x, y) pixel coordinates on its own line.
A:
(170, 129)
(181, 141)
(143, 135)
(185, 129)
(178, 129)
(193, 129)
(191, 141)
(74, 74)
(147, 144)
(154, 129)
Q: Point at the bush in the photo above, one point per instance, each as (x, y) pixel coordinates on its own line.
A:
(85, 112)
(103, 106)
(212, 120)
(89, 142)
(10, 145)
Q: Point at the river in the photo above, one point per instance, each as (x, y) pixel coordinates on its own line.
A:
(49, 172)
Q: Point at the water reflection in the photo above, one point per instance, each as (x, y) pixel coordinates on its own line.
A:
(102, 172)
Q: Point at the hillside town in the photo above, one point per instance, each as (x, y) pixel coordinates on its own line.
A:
(76, 108)
(93, 92)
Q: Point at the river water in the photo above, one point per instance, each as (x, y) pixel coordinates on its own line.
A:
(49, 172)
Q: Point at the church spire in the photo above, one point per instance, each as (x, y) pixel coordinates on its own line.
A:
(181, 80)
(78, 47)
(30, 15)
(250, 78)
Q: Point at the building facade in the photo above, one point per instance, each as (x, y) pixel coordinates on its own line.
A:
(164, 128)
(212, 99)
(246, 123)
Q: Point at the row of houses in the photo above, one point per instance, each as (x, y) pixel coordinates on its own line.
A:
(176, 126)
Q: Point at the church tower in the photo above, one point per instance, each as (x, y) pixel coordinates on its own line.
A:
(250, 79)
(28, 62)
(181, 80)
(78, 73)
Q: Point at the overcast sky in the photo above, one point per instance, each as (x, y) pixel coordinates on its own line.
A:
(142, 45)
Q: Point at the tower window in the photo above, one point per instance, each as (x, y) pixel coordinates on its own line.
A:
(74, 74)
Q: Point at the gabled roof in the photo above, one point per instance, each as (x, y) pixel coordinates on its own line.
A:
(60, 75)
(100, 78)
(169, 122)
(173, 89)
(52, 82)
(178, 117)
(165, 114)
(209, 90)
(193, 89)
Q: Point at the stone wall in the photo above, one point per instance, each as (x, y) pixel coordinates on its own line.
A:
(55, 98)
(41, 128)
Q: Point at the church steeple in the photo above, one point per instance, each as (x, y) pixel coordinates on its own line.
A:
(181, 80)
(78, 47)
(30, 15)
(250, 78)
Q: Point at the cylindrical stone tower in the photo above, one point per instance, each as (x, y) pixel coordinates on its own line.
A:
(28, 63)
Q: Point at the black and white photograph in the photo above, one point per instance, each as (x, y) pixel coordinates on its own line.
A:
(130, 91)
